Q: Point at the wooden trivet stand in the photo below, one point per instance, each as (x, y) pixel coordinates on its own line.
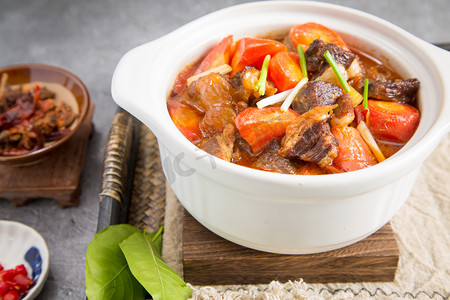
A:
(56, 177)
(211, 260)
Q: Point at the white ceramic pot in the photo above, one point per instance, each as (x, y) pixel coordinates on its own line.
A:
(290, 214)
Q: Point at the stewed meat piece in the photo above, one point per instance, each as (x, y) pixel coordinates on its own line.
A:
(213, 95)
(244, 84)
(271, 161)
(308, 138)
(212, 90)
(215, 119)
(341, 56)
(316, 93)
(220, 145)
(315, 61)
(312, 56)
(402, 91)
(344, 113)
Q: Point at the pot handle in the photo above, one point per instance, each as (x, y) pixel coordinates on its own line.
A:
(130, 80)
(442, 55)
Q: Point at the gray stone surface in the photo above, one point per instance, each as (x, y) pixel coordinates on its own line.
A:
(88, 38)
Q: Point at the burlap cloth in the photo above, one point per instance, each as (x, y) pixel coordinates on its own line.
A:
(422, 230)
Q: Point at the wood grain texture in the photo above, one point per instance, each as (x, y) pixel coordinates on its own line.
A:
(209, 259)
(56, 177)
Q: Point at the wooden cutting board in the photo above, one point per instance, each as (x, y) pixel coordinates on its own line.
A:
(211, 260)
(56, 177)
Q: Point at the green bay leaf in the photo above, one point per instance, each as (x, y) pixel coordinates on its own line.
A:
(144, 258)
(107, 275)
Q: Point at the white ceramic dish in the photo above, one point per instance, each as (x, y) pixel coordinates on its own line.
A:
(21, 244)
(276, 212)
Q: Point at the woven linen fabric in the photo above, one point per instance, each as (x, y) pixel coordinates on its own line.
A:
(422, 231)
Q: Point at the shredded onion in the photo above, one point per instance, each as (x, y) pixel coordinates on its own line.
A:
(273, 99)
(354, 70)
(367, 136)
(329, 75)
(288, 101)
(222, 69)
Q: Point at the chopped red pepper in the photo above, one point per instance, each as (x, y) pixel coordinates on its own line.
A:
(11, 295)
(4, 287)
(23, 282)
(7, 275)
(20, 269)
(14, 282)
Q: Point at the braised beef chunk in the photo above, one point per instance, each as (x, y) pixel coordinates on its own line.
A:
(357, 83)
(308, 138)
(271, 161)
(399, 91)
(242, 151)
(212, 90)
(220, 145)
(341, 56)
(215, 119)
(213, 95)
(313, 57)
(344, 113)
(244, 83)
(315, 61)
(316, 93)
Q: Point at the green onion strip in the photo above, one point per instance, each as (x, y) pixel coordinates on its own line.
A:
(366, 93)
(301, 55)
(261, 84)
(335, 68)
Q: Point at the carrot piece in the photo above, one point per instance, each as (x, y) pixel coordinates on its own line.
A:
(217, 56)
(285, 71)
(258, 126)
(185, 118)
(252, 51)
(305, 34)
(311, 169)
(389, 121)
(181, 81)
(353, 152)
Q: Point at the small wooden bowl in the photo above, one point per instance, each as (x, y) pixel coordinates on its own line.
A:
(26, 73)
